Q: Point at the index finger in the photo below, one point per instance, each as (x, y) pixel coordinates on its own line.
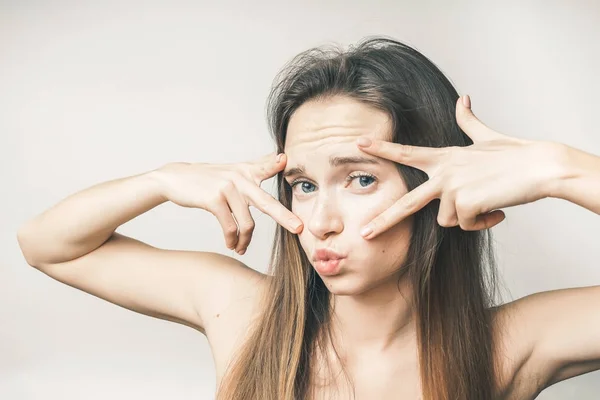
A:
(407, 205)
(269, 205)
(414, 156)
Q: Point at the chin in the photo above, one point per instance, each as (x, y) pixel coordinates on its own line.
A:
(345, 285)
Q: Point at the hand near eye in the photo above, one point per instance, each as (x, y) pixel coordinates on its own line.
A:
(471, 182)
(227, 191)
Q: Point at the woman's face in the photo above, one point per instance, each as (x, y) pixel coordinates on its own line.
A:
(335, 199)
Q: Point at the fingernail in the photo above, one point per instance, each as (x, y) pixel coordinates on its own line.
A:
(466, 101)
(367, 230)
(363, 141)
(279, 156)
(241, 252)
(297, 226)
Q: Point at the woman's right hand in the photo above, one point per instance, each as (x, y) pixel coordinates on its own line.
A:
(227, 191)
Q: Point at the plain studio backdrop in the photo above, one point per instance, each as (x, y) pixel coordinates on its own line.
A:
(94, 92)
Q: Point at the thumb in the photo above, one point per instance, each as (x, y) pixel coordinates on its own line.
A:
(470, 124)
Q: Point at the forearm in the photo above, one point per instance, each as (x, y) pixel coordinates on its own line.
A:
(579, 182)
(83, 221)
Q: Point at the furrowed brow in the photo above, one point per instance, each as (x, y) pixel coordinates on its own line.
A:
(334, 162)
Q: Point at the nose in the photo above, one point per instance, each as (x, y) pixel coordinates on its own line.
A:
(326, 218)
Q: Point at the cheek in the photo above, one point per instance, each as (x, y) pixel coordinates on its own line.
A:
(301, 211)
(399, 233)
(364, 213)
(390, 245)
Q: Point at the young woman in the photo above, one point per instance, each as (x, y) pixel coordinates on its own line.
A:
(376, 137)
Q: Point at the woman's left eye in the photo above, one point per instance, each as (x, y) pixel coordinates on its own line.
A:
(364, 178)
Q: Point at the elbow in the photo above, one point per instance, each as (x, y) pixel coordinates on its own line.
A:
(24, 245)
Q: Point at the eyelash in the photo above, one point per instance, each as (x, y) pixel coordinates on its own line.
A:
(349, 178)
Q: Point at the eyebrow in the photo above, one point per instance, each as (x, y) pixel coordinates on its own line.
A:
(334, 162)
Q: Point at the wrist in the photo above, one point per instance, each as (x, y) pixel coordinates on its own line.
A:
(565, 169)
(158, 179)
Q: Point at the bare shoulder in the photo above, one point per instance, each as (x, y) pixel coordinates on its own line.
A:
(548, 337)
(194, 288)
(513, 351)
(211, 292)
(228, 322)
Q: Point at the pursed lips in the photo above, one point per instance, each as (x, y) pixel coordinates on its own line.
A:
(326, 254)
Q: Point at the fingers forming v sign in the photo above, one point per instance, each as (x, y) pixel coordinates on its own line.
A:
(472, 182)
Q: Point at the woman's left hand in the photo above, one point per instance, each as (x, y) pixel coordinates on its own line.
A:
(472, 182)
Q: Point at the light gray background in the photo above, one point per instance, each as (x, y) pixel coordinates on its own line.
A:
(90, 93)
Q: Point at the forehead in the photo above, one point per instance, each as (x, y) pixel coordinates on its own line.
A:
(334, 121)
(322, 134)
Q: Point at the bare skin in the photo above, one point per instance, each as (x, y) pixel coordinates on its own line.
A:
(544, 338)
(383, 375)
(373, 326)
(374, 329)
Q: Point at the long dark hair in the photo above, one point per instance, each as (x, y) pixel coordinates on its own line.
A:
(453, 272)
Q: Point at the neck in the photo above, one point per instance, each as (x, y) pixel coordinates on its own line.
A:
(375, 321)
